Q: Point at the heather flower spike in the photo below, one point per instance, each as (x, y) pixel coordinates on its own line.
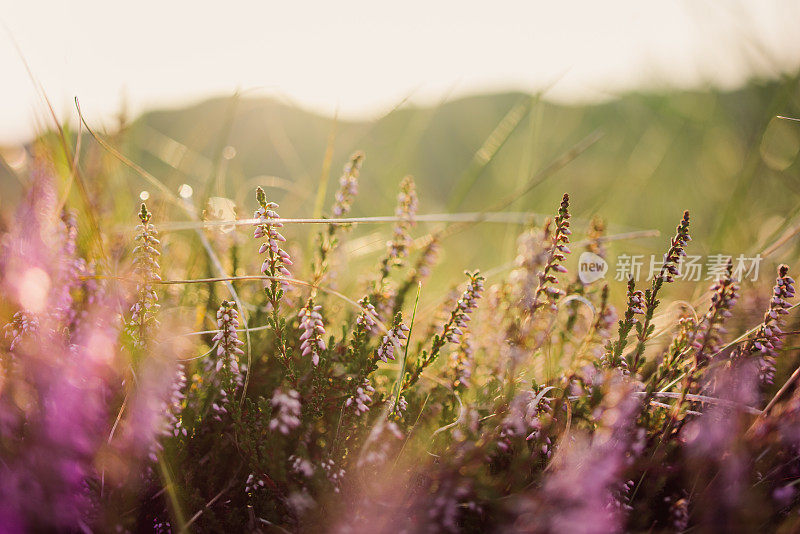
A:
(366, 319)
(669, 269)
(277, 259)
(636, 306)
(226, 365)
(462, 361)
(397, 247)
(22, 325)
(361, 399)
(406, 212)
(453, 329)
(275, 266)
(311, 342)
(708, 339)
(286, 410)
(146, 269)
(348, 186)
(764, 344)
(545, 290)
(393, 338)
(343, 200)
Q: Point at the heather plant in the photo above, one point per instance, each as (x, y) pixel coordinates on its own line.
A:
(280, 398)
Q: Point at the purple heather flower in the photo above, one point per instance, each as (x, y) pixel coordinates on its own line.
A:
(612, 358)
(708, 339)
(277, 259)
(679, 514)
(545, 291)
(714, 446)
(302, 466)
(454, 328)
(228, 342)
(348, 185)
(524, 419)
(393, 338)
(406, 211)
(224, 367)
(286, 411)
(462, 362)
(579, 495)
(366, 319)
(399, 408)
(669, 268)
(173, 405)
(767, 340)
(70, 268)
(427, 259)
(334, 473)
(382, 440)
(361, 399)
(311, 341)
(22, 325)
(146, 269)
(532, 255)
(253, 484)
(51, 442)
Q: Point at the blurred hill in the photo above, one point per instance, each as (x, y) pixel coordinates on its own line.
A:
(724, 156)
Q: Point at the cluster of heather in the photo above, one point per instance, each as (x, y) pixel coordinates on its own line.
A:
(265, 398)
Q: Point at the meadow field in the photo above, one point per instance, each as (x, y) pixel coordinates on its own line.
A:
(496, 314)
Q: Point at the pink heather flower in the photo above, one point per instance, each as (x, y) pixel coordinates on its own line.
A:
(253, 484)
(173, 405)
(460, 316)
(612, 358)
(524, 418)
(302, 466)
(362, 398)
(348, 185)
(453, 329)
(277, 259)
(366, 320)
(311, 341)
(70, 268)
(146, 269)
(382, 440)
(708, 339)
(580, 494)
(50, 443)
(31, 269)
(679, 514)
(286, 411)
(392, 339)
(228, 346)
(768, 339)
(604, 324)
(462, 362)
(334, 473)
(532, 255)
(427, 259)
(545, 291)
(669, 268)
(224, 367)
(22, 325)
(406, 211)
(399, 407)
(156, 405)
(714, 446)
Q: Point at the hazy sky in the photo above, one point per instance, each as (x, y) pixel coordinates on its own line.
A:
(363, 57)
